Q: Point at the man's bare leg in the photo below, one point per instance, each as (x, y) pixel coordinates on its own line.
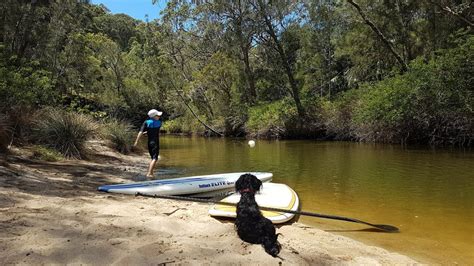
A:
(151, 167)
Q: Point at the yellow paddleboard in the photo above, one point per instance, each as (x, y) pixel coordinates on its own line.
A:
(273, 195)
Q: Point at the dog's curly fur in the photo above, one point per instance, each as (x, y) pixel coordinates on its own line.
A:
(251, 226)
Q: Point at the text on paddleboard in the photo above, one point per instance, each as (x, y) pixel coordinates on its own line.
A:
(216, 184)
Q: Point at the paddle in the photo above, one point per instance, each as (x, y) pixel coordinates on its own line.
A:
(383, 227)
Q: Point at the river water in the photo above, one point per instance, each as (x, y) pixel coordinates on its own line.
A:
(427, 193)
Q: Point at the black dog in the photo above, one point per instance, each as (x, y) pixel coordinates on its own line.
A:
(251, 226)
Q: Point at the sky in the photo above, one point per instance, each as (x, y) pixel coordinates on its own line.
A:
(134, 8)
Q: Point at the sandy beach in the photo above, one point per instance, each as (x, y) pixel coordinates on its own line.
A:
(51, 213)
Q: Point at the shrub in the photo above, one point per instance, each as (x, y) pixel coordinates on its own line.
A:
(120, 134)
(65, 132)
(186, 124)
(338, 115)
(26, 84)
(431, 103)
(384, 111)
(270, 120)
(173, 126)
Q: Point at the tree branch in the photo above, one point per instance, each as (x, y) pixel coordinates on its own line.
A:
(448, 10)
(380, 35)
(194, 114)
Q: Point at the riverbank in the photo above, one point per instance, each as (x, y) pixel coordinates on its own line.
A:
(52, 213)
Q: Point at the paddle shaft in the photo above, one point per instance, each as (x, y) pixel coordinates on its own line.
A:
(388, 228)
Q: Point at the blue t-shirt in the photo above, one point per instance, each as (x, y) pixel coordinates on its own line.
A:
(152, 127)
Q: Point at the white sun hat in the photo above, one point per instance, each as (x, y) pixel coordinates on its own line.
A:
(154, 112)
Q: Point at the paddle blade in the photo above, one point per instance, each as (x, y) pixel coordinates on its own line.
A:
(387, 228)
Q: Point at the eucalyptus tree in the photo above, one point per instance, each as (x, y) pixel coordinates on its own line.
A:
(378, 37)
(221, 84)
(323, 71)
(34, 35)
(240, 27)
(381, 35)
(187, 48)
(275, 18)
(24, 24)
(120, 28)
(384, 34)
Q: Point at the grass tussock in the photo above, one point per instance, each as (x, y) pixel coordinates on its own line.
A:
(65, 132)
(22, 119)
(120, 134)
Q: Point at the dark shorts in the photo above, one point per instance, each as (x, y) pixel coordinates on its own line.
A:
(154, 150)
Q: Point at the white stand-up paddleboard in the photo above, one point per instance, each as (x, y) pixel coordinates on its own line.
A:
(183, 185)
(272, 195)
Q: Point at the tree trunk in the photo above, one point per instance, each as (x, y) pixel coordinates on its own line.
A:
(249, 75)
(284, 59)
(404, 32)
(245, 46)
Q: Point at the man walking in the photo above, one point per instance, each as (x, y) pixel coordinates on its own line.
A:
(151, 127)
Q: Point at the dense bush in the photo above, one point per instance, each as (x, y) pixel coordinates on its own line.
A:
(270, 120)
(338, 115)
(431, 103)
(24, 83)
(65, 132)
(186, 124)
(82, 104)
(120, 134)
(173, 126)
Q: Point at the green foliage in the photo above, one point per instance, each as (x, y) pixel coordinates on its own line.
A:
(174, 126)
(238, 65)
(120, 134)
(338, 115)
(24, 84)
(65, 132)
(432, 103)
(383, 111)
(46, 154)
(120, 28)
(147, 80)
(82, 104)
(92, 63)
(137, 97)
(184, 125)
(271, 120)
(216, 93)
